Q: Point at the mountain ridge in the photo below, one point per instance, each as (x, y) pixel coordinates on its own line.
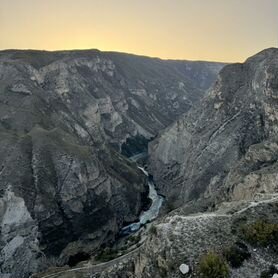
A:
(111, 52)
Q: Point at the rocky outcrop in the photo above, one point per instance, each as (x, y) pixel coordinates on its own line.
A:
(64, 187)
(226, 147)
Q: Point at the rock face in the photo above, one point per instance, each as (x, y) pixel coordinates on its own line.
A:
(226, 147)
(64, 188)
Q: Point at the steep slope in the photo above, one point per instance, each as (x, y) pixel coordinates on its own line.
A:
(226, 147)
(64, 188)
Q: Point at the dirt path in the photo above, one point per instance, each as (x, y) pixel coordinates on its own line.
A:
(255, 204)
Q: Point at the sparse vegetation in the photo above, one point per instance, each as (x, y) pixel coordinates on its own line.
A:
(163, 272)
(261, 233)
(236, 254)
(213, 265)
(134, 239)
(107, 254)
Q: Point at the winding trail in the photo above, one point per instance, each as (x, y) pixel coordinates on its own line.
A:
(255, 204)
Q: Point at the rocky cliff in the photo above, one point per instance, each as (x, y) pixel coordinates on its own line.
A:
(226, 147)
(64, 118)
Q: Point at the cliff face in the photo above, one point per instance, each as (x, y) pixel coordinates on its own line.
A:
(226, 147)
(64, 187)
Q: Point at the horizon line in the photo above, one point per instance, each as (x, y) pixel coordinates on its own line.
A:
(117, 51)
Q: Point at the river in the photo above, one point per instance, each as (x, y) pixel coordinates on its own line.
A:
(152, 212)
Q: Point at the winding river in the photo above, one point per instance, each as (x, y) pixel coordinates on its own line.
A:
(152, 212)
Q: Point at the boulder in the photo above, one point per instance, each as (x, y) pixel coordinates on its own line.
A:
(184, 269)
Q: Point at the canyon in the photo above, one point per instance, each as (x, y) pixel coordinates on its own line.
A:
(69, 120)
(121, 166)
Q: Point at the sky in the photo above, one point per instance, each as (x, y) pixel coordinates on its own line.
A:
(212, 30)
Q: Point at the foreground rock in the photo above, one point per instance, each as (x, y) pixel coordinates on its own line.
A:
(184, 268)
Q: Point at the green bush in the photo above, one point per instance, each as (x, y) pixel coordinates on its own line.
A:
(213, 265)
(261, 233)
(236, 254)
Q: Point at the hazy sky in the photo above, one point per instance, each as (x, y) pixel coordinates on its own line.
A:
(220, 30)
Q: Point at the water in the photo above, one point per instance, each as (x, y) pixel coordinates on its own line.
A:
(136, 157)
(151, 213)
(157, 200)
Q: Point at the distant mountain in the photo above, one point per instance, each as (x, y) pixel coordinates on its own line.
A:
(65, 119)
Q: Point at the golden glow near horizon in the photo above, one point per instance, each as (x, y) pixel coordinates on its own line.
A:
(218, 30)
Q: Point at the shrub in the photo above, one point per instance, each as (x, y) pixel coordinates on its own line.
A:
(170, 206)
(153, 230)
(261, 233)
(213, 266)
(236, 254)
(135, 239)
(269, 273)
